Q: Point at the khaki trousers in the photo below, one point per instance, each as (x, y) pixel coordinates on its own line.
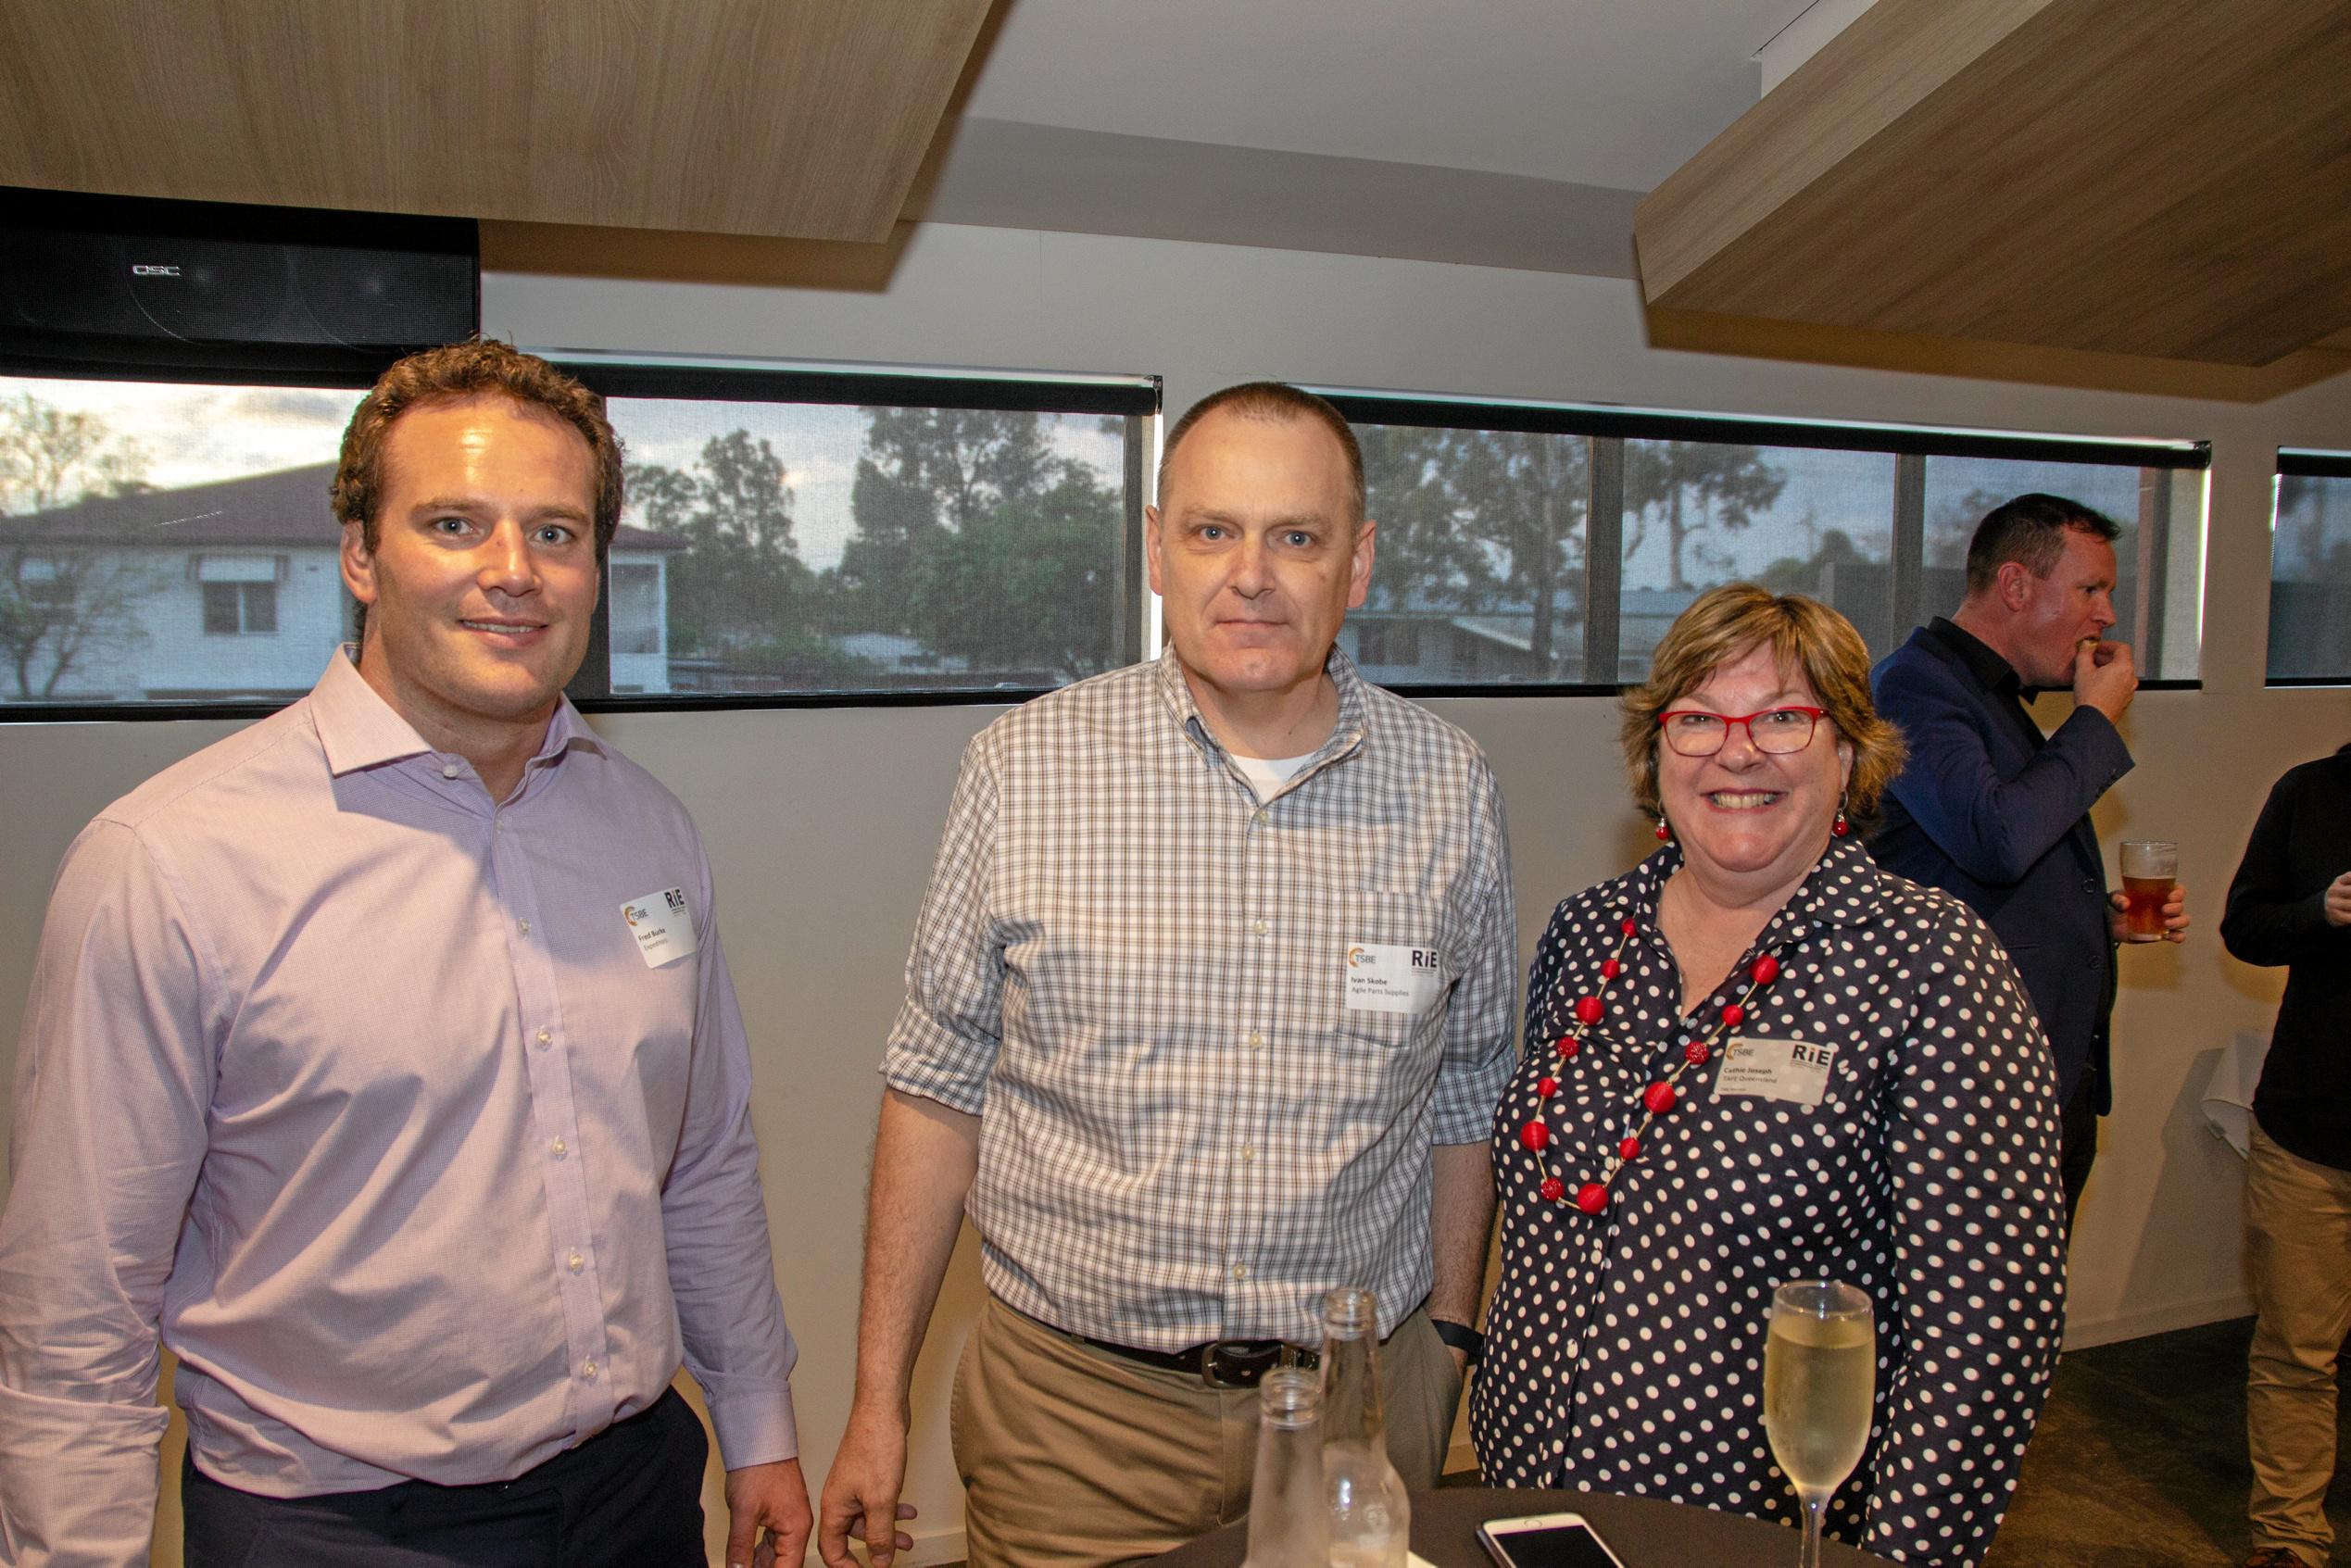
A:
(2298, 1219)
(1075, 1458)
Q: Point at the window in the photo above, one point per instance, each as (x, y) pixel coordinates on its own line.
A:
(231, 609)
(1546, 547)
(792, 533)
(167, 541)
(804, 534)
(2310, 571)
(240, 593)
(46, 583)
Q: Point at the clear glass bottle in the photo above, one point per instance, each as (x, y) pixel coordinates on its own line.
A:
(1371, 1519)
(1289, 1524)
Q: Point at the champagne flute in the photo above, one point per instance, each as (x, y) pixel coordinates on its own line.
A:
(1820, 1367)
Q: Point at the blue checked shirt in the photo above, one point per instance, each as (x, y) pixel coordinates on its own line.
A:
(1136, 975)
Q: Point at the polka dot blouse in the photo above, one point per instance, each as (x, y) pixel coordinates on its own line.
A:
(1625, 1349)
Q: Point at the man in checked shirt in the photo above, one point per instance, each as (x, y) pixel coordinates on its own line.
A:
(1208, 1009)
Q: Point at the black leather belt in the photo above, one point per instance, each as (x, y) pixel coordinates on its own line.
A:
(1220, 1363)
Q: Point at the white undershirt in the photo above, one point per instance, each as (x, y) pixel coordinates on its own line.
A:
(1267, 775)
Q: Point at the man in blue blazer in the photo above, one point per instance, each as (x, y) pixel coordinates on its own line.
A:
(1998, 813)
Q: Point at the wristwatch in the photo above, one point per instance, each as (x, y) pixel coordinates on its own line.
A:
(1460, 1336)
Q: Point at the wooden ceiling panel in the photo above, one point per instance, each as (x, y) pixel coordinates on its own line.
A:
(2165, 178)
(800, 117)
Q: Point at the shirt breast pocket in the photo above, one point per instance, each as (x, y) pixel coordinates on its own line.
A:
(1387, 966)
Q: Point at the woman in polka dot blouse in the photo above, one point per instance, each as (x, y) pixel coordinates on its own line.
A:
(1758, 1058)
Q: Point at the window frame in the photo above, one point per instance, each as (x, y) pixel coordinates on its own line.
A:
(1139, 398)
(2311, 463)
(684, 378)
(1909, 445)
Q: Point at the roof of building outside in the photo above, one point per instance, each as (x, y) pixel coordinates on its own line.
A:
(287, 507)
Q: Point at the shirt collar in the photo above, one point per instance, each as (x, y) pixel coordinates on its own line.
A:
(1995, 674)
(1346, 732)
(1843, 888)
(358, 729)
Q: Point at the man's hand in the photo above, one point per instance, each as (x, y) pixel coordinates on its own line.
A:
(924, 1157)
(2104, 678)
(774, 1497)
(2175, 918)
(2338, 904)
(860, 1493)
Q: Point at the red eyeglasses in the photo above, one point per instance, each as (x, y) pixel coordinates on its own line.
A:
(1774, 730)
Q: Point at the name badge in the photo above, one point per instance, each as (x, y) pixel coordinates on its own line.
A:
(1794, 1071)
(1381, 978)
(662, 926)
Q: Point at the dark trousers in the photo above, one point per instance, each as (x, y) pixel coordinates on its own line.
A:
(630, 1497)
(2078, 1133)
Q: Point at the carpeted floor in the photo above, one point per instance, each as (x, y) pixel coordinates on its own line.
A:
(2139, 1460)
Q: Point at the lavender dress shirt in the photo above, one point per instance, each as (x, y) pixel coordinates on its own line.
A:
(356, 1086)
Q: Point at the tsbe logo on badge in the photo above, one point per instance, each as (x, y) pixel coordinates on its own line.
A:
(663, 927)
(1384, 978)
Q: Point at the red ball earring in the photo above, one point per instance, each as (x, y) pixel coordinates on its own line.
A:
(1664, 832)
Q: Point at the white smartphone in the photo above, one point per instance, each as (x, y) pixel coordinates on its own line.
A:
(1545, 1540)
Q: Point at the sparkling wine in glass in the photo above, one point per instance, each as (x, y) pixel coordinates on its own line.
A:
(1821, 1366)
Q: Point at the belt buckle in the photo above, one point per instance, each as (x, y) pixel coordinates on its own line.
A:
(1237, 1363)
(1243, 1363)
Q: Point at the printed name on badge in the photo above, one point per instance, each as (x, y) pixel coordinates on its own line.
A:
(662, 926)
(1794, 1071)
(1384, 978)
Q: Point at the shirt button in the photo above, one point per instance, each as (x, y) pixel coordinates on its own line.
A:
(587, 1370)
(1255, 1039)
(575, 1262)
(558, 1149)
(448, 770)
(1263, 817)
(525, 926)
(1240, 1271)
(1259, 928)
(1248, 1154)
(546, 1038)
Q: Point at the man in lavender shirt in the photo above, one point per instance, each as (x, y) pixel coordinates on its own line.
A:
(381, 1061)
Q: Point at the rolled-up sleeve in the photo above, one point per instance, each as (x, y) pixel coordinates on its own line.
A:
(113, 1077)
(1979, 1254)
(1478, 1057)
(948, 1031)
(715, 1222)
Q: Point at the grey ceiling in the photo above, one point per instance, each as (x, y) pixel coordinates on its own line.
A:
(1508, 133)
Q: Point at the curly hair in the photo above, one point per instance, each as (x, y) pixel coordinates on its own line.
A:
(474, 369)
(1722, 625)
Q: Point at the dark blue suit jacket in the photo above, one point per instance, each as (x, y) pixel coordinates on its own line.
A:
(1981, 813)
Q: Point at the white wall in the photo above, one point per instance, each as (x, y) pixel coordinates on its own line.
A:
(821, 823)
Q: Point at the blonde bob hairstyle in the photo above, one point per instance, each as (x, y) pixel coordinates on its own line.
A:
(1718, 628)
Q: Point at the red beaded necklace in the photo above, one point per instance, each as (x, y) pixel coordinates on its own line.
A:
(1656, 1100)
